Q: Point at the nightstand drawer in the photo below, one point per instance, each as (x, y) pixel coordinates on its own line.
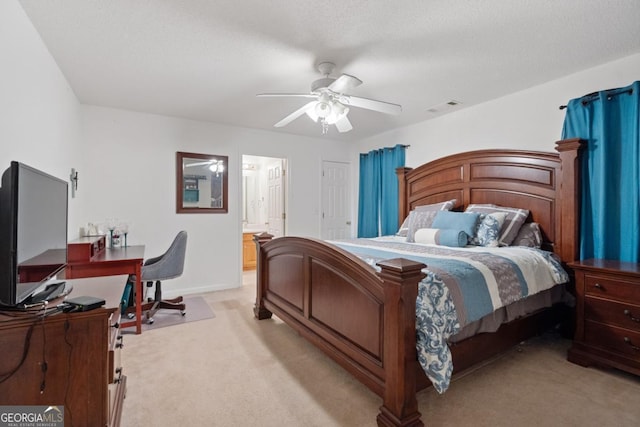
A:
(611, 312)
(622, 341)
(607, 314)
(614, 288)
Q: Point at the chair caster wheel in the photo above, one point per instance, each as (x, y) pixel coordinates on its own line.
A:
(183, 312)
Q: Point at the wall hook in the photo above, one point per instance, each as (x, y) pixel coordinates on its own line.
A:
(74, 182)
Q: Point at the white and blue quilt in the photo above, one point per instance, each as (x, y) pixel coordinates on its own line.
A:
(461, 285)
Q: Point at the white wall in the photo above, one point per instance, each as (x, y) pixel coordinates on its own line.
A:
(39, 113)
(529, 119)
(126, 160)
(130, 175)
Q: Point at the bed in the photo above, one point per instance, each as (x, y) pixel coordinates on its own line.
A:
(364, 316)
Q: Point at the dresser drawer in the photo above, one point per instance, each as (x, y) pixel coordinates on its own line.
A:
(115, 348)
(613, 288)
(612, 312)
(612, 338)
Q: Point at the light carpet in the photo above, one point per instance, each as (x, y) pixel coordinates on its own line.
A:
(237, 371)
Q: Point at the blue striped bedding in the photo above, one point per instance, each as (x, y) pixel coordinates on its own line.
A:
(462, 285)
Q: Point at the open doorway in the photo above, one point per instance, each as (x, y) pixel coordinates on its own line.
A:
(263, 201)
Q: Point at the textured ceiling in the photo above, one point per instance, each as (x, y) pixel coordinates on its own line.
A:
(207, 59)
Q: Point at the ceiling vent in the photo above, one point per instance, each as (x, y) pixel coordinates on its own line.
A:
(445, 107)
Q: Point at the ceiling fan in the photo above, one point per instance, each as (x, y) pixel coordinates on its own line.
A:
(331, 103)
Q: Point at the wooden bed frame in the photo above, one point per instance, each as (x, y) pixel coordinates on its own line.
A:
(365, 320)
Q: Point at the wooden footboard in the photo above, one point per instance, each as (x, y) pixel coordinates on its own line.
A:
(363, 320)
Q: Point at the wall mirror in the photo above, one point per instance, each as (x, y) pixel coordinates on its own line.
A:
(202, 183)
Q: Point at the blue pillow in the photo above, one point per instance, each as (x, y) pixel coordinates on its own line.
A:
(465, 221)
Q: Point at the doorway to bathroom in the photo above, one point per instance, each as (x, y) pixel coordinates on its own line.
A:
(263, 201)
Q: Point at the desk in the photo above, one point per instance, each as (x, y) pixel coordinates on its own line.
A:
(40, 266)
(112, 262)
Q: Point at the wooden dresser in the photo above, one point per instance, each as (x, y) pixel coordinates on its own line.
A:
(82, 353)
(607, 314)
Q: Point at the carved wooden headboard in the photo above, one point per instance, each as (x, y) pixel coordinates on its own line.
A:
(544, 183)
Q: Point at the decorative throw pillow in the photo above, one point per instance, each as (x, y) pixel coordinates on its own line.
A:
(489, 229)
(444, 237)
(512, 223)
(404, 228)
(422, 217)
(465, 221)
(529, 235)
(442, 206)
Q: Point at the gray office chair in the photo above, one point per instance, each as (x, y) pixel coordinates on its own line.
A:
(166, 266)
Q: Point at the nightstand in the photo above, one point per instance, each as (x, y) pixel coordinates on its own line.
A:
(607, 314)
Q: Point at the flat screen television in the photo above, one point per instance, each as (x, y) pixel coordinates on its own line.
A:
(33, 231)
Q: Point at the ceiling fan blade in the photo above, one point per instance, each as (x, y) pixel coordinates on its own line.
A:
(372, 104)
(344, 83)
(281, 95)
(291, 117)
(343, 124)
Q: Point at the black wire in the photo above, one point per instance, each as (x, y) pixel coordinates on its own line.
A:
(66, 390)
(25, 350)
(36, 316)
(44, 364)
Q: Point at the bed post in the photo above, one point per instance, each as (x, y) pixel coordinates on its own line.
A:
(259, 311)
(403, 203)
(400, 406)
(569, 197)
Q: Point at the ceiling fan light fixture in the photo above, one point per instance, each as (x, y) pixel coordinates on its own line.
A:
(217, 167)
(338, 111)
(323, 109)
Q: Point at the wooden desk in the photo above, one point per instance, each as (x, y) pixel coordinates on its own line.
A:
(40, 266)
(112, 262)
(82, 351)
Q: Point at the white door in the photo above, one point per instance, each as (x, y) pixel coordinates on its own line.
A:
(335, 203)
(275, 211)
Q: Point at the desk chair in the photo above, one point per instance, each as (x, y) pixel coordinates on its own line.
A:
(166, 266)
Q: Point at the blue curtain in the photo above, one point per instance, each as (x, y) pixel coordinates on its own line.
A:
(378, 195)
(609, 121)
(368, 209)
(392, 158)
